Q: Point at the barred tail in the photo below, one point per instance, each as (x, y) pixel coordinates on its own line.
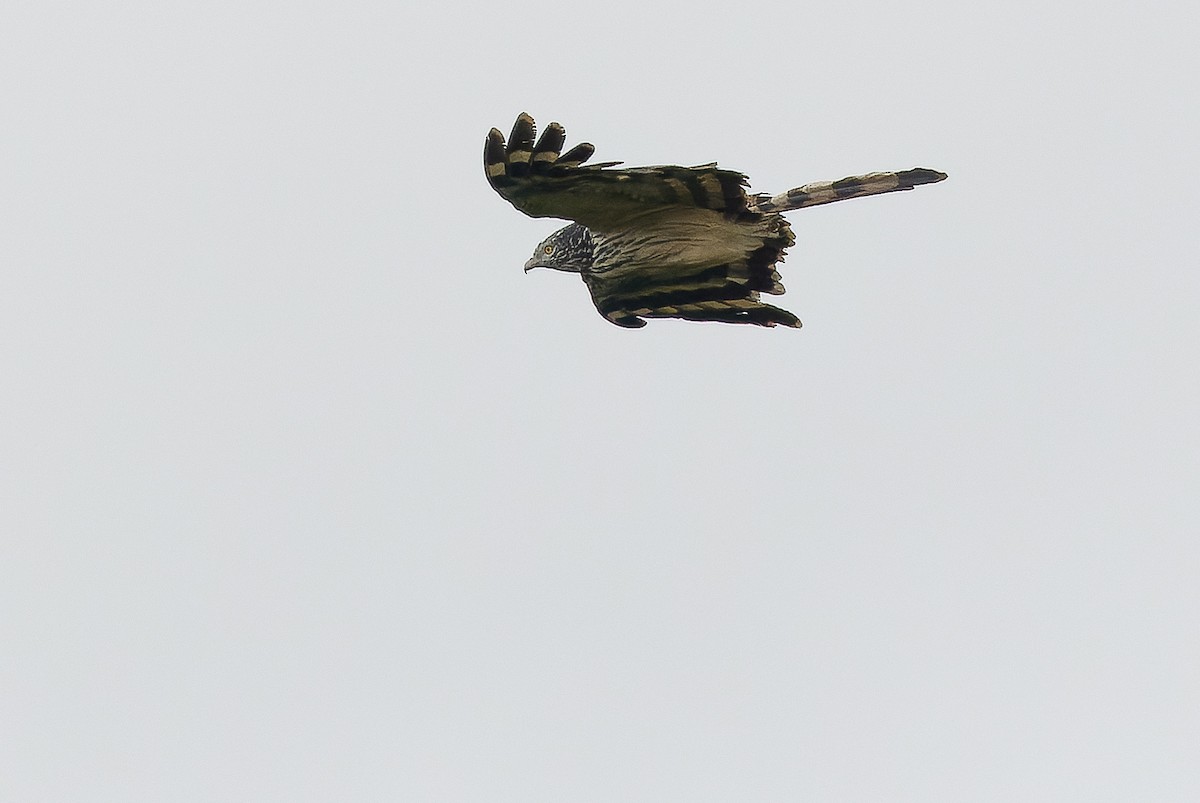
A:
(825, 192)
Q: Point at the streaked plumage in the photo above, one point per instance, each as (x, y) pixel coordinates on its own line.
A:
(664, 241)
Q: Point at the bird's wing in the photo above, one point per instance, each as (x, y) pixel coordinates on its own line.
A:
(728, 293)
(541, 181)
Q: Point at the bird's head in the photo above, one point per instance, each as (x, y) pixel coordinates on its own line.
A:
(568, 249)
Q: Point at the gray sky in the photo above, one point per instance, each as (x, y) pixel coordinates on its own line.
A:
(309, 493)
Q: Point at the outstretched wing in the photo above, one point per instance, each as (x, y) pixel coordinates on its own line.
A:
(702, 296)
(727, 291)
(542, 182)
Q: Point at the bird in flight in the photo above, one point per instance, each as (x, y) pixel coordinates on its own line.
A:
(662, 241)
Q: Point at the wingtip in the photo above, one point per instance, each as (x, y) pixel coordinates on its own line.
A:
(523, 132)
(549, 145)
(494, 156)
(576, 155)
(923, 175)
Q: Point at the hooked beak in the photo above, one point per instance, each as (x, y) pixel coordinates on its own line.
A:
(530, 265)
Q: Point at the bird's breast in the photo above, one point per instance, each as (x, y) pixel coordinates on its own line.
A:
(681, 238)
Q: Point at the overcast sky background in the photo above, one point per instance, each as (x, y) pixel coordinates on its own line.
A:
(310, 493)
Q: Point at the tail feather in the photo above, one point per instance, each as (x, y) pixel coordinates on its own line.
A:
(825, 192)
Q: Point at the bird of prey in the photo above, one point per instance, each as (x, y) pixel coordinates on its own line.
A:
(663, 241)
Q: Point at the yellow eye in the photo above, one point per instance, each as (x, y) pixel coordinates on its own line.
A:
(548, 249)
